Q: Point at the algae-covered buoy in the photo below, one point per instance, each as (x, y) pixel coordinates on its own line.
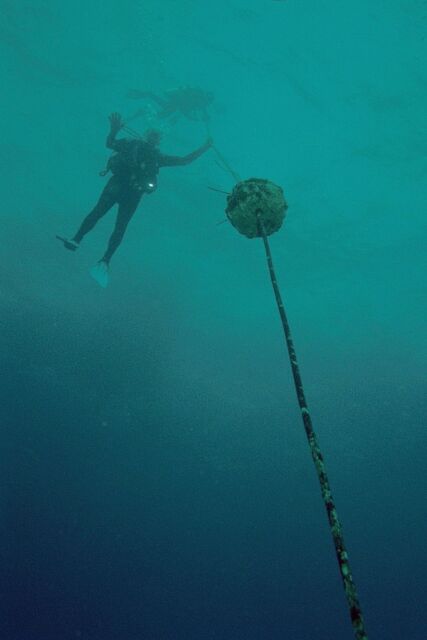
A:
(251, 199)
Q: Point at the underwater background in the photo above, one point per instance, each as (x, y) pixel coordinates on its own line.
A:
(156, 481)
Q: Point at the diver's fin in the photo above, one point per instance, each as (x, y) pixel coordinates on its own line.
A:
(100, 273)
(71, 245)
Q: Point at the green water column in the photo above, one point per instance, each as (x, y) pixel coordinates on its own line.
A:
(257, 208)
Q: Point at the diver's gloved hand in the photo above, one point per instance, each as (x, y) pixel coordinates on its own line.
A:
(115, 122)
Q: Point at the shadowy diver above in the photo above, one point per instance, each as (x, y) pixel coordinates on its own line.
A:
(134, 167)
(190, 102)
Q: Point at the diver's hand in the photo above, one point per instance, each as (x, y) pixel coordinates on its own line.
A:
(115, 122)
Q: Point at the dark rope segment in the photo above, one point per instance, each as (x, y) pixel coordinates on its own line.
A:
(334, 523)
(227, 193)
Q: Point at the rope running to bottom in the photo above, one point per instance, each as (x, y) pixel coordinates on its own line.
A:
(334, 523)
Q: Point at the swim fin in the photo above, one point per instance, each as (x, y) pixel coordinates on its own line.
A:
(100, 273)
(71, 245)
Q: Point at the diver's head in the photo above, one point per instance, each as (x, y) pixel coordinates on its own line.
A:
(153, 137)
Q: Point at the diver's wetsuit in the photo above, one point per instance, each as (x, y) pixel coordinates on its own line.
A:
(115, 191)
(135, 175)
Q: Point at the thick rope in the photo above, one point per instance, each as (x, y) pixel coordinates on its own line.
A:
(334, 523)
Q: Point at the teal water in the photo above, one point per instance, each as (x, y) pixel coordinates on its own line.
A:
(156, 481)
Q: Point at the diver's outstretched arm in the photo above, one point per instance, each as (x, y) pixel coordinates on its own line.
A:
(176, 161)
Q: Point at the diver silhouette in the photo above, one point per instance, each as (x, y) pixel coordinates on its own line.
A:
(135, 167)
(190, 102)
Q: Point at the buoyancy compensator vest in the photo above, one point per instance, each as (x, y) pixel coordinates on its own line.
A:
(137, 163)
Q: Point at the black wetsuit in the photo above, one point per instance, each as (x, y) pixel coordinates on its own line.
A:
(135, 170)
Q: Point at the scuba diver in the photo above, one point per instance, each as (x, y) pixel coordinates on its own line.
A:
(190, 102)
(134, 166)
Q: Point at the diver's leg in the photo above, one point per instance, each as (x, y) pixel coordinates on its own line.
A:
(107, 199)
(169, 111)
(155, 98)
(167, 107)
(138, 114)
(126, 210)
(135, 94)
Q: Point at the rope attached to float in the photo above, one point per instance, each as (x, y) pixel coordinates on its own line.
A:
(222, 162)
(334, 523)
